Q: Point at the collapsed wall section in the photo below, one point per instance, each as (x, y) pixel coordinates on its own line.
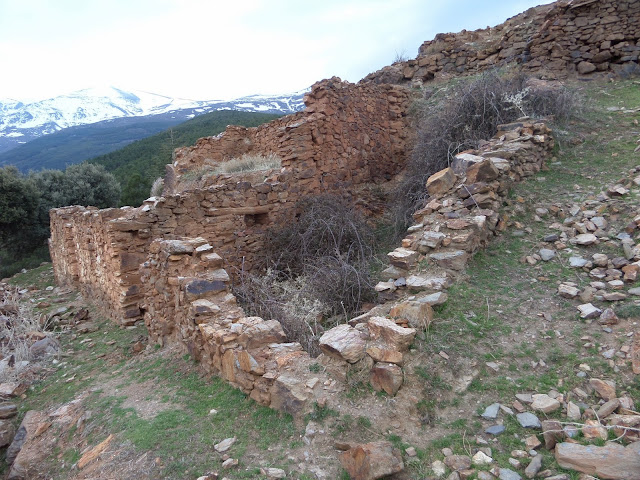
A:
(580, 37)
(348, 136)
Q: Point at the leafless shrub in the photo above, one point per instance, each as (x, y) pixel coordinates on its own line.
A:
(157, 187)
(291, 302)
(318, 271)
(325, 226)
(18, 324)
(456, 117)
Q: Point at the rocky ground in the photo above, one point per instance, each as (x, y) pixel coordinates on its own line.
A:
(535, 348)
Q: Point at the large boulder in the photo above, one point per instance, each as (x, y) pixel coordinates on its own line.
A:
(344, 343)
(24, 454)
(372, 461)
(611, 462)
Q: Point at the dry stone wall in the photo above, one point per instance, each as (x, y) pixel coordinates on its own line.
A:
(348, 136)
(462, 213)
(580, 37)
(187, 300)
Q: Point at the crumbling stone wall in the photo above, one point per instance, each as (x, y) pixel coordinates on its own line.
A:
(349, 135)
(567, 37)
(187, 300)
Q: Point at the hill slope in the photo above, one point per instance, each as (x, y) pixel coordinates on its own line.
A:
(137, 165)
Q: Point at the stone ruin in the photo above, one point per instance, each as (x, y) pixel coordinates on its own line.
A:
(349, 136)
(168, 262)
(580, 37)
(171, 262)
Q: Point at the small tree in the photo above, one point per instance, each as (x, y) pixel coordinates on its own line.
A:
(90, 184)
(18, 211)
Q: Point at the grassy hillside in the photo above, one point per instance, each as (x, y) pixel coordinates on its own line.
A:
(137, 165)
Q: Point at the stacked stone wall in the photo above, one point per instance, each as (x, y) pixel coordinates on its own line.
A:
(348, 136)
(580, 37)
(187, 299)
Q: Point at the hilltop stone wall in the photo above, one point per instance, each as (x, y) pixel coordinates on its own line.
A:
(581, 37)
(349, 135)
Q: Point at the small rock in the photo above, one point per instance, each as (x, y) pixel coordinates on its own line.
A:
(608, 408)
(612, 461)
(534, 467)
(232, 462)
(507, 474)
(577, 262)
(528, 420)
(495, 430)
(587, 310)
(438, 468)
(585, 239)
(547, 254)
(491, 411)
(573, 411)
(481, 458)
(273, 473)
(545, 403)
(224, 445)
(372, 460)
(532, 442)
(458, 462)
(608, 317)
(605, 389)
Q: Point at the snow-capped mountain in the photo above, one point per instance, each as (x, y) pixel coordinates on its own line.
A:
(21, 122)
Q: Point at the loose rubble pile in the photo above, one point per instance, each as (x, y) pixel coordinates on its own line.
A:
(579, 36)
(561, 419)
(601, 279)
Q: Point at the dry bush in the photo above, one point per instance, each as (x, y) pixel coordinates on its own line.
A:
(319, 271)
(460, 115)
(17, 325)
(197, 177)
(157, 187)
(194, 178)
(291, 302)
(326, 225)
(249, 163)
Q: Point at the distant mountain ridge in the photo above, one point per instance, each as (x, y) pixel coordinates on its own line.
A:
(22, 122)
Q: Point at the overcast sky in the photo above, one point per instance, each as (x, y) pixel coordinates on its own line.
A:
(210, 49)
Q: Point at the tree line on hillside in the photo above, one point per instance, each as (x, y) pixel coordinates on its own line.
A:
(137, 165)
(25, 201)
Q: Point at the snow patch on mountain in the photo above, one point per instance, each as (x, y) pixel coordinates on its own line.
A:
(21, 122)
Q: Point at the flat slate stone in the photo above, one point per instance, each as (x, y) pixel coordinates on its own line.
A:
(528, 420)
(577, 262)
(495, 430)
(507, 474)
(491, 411)
(547, 254)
